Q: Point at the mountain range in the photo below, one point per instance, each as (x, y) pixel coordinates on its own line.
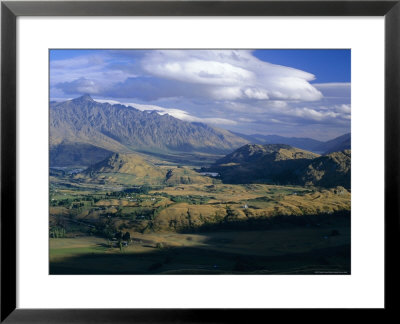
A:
(340, 143)
(84, 132)
(78, 124)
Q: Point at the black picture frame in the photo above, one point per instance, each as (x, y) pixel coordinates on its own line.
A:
(10, 10)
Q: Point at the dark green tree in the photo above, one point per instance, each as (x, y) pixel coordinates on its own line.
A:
(127, 237)
(231, 215)
(118, 236)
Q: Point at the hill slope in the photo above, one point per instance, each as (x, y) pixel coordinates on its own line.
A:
(128, 169)
(270, 163)
(283, 164)
(133, 170)
(329, 170)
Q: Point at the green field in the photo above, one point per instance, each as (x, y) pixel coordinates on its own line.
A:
(297, 251)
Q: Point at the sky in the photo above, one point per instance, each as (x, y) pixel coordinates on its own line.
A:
(295, 93)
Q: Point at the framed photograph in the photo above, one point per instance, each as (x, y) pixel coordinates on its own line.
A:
(191, 161)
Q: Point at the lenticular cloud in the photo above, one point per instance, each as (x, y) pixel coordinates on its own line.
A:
(231, 74)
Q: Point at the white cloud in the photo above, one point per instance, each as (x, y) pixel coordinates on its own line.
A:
(309, 113)
(177, 113)
(256, 93)
(193, 70)
(225, 93)
(96, 69)
(82, 85)
(245, 120)
(334, 90)
(345, 109)
(203, 74)
(111, 102)
(231, 74)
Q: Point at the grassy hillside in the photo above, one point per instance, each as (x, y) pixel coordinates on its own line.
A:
(136, 170)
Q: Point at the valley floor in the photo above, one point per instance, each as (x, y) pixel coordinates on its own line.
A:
(197, 228)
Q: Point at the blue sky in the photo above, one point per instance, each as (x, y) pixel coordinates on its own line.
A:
(302, 93)
(326, 65)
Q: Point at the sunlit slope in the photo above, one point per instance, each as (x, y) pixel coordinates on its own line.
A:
(183, 175)
(237, 203)
(133, 169)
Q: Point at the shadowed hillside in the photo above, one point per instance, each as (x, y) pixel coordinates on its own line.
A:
(273, 163)
(283, 164)
(76, 154)
(329, 170)
(253, 153)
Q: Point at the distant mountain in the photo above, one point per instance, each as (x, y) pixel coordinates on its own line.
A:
(304, 143)
(253, 139)
(337, 144)
(283, 164)
(118, 128)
